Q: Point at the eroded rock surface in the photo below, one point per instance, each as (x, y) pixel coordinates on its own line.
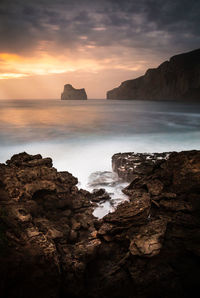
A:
(52, 246)
(44, 214)
(130, 166)
(148, 241)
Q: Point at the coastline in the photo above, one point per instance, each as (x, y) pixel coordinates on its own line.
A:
(55, 247)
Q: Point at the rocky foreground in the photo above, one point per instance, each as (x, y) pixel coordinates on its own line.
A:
(52, 246)
(176, 79)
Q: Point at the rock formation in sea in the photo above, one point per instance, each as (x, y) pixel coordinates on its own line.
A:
(52, 246)
(176, 79)
(70, 93)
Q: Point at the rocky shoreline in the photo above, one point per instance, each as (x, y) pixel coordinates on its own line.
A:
(130, 165)
(51, 245)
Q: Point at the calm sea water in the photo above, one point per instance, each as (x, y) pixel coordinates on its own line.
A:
(82, 136)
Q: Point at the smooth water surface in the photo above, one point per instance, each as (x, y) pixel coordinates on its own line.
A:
(82, 136)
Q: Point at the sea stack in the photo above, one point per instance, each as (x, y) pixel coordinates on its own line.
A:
(176, 79)
(70, 93)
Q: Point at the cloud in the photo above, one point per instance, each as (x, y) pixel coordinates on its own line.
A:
(92, 37)
(153, 24)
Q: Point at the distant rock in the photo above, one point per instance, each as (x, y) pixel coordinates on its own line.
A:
(70, 93)
(176, 79)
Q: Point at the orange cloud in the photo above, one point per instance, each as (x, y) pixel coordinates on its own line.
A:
(15, 66)
(46, 60)
(11, 75)
(7, 56)
(43, 73)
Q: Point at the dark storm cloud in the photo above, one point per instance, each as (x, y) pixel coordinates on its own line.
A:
(157, 25)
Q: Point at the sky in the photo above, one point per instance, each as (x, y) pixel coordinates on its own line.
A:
(90, 44)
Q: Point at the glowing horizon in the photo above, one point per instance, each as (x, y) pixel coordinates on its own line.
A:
(90, 44)
(42, 66)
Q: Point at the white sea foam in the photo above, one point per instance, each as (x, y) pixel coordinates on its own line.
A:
(82, 137)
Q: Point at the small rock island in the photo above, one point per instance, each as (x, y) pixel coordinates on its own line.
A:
(70, 93)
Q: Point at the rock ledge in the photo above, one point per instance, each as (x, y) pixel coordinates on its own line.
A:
(52, 246)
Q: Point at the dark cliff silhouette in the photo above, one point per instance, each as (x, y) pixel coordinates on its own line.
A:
(176, 79)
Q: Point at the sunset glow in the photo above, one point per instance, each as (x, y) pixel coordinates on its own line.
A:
(40, 65)
(99, 148)
(106, 42)
(46, 63)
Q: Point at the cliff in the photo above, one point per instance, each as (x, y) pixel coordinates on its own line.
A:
(176, 79)
(52, 246)
(71, 93)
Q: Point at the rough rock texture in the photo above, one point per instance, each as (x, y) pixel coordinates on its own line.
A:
(71, 93)
(148, 242)
(176, 79)
(43, 215)
(52, 246)
(99, 195)
(129, 166)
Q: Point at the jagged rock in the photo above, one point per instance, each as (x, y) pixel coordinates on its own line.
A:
(131, 166)
(100, 195)
(127, 213)
(178, 174)
(52, 246)
(148, 241)
(155, 187)
(176, 79)
(42, 208)
(126, 216)
(71, 93)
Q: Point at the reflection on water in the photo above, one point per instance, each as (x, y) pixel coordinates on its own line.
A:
(81, 136)
(28, 121)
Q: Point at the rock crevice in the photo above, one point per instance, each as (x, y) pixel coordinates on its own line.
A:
(52, 246)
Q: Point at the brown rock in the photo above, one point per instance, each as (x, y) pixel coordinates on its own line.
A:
(100, 195)
(126, 216)
(52, 246)
(148, 241)
(155, 187)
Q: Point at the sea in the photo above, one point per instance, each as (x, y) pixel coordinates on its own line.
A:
(82, 136)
